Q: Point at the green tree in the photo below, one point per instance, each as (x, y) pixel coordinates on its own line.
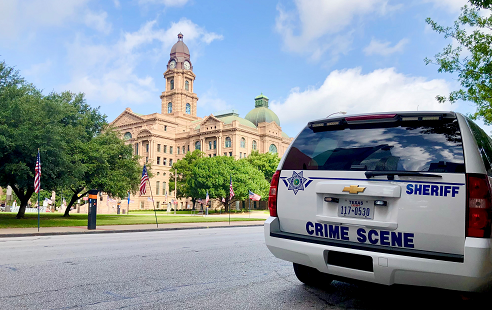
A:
(266, 163)
(28, 121)
(183, 170)
(471, 59)
(104, 163)
(213, 174)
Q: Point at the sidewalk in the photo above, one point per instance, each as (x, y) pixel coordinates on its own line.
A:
(50, 231)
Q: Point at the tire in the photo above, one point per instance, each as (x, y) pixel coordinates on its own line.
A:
(311, 276)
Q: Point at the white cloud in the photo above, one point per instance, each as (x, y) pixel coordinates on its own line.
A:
(36, 70)
(354, 92)
(168, 3)
(107, 73)
(17, 16)
(211, 100)
(383, 48)
(449, 5)
(98, 22)
(312, 27)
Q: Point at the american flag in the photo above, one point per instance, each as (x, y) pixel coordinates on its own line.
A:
(37, 176)
(206, 199)
(143, 181)
(231, 191)
(254, 196)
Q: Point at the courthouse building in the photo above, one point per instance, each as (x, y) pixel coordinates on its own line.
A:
(164, 138)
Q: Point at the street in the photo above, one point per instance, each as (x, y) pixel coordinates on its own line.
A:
(217, 268)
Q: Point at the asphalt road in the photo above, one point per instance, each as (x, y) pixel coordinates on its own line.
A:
(220, 268)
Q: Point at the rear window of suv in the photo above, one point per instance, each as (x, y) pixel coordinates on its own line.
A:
(432, 146)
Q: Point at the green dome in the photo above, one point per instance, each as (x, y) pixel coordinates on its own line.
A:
(262, 114)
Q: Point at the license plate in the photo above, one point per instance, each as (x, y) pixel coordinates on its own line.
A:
(362, 209)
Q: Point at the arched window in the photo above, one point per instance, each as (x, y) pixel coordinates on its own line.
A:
(254, 145)
(197, 145)
(187, 85)
(188, 108)
(169, 107)
(215, 144)
(127, 136)
(243, 143)
(209, 145)
(273, 148)
(228, 142)
(172, 84)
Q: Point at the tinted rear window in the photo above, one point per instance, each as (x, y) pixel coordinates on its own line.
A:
(433, 146)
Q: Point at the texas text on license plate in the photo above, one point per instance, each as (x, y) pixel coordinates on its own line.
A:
(356, 208)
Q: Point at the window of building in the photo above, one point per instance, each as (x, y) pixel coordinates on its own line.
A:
(164, 161)
(243, 143)
(170, 150)
(172, 84)
(178, 149)
(141, 204)
(147, 147)
(230, 153)
(165, 126)
(254, 145)
(157, 205)
(170, 162)
(146, 160)
(127, 136)
(183, 149)
(215, 144)
(209, 155)
(169, 110)
(188, 147)
(157, 187)
(158, 147)
(165, 148)
(273, 148)
(136, 148)
(240, 155)
(209, 145)
(187, 85)
(215, 155)
(188, 108)
(228, 142)
(158, 160)
(164, 188)
(225, 153)
(197, 145)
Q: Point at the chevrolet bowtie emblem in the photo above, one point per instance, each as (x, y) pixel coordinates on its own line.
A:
(353, 189)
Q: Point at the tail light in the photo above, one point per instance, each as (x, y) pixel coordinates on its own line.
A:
(478, 206)
(272, 195)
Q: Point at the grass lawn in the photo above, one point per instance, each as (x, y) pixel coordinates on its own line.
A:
(8, 220)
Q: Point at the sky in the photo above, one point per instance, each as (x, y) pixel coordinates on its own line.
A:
(311, 58)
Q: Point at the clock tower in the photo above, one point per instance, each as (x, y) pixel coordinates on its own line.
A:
(179, 99)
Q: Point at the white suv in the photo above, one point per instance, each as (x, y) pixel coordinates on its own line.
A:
(389, 198)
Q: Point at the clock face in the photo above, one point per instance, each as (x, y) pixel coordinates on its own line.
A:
(172, 64)
(187, 65)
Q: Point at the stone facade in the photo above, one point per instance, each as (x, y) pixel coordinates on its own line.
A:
(164, 138)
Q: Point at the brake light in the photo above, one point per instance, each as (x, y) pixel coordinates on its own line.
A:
(369, 117)
(478, 206)
(272, 195)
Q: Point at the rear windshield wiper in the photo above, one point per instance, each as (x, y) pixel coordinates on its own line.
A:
(391, 174)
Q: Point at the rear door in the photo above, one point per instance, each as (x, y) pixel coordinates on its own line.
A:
(394, 184)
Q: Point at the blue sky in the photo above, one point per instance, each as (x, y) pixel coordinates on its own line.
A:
(310, 57)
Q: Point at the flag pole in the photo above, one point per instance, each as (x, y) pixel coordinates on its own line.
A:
(153, 203)
(39, 189)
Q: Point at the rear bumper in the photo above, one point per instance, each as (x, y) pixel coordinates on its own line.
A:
(473, 273)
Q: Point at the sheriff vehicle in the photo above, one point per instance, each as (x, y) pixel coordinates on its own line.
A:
(389, 198)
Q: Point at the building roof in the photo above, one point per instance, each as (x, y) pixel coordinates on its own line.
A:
(262, 114)
(180, 47)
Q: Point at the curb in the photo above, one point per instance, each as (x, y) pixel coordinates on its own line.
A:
(118, 231)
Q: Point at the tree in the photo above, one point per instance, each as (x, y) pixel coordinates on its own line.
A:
(183, 168)
(267, 163)
(471, 59)
(104, 163)
(213, 174)
(28, 121)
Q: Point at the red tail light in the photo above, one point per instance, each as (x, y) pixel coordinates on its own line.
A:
(478, 206)
(272, 195)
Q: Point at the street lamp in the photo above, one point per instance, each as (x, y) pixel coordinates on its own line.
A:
(339, 112)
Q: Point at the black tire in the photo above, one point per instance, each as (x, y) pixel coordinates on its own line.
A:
(311, 276)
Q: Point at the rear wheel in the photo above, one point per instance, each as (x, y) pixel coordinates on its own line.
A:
(311, 276)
